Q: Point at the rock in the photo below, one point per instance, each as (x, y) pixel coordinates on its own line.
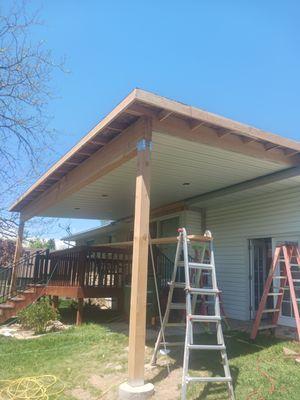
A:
(55, 326)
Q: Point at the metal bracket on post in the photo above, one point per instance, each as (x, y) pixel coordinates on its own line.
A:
(143, 144)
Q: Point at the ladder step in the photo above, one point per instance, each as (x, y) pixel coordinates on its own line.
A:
(171, 344)
(208, 379)
(279, 277)
(177, 306)
(196, 265)
(270, 310)
(263, 327)
(204, 291)
(207, 347)
(296, 280)
(205, 318)
(275, 294)
(179, 285)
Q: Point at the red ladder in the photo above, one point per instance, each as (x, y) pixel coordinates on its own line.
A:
(281, 269)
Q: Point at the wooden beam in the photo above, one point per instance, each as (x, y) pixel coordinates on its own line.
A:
(108, 158)
(112, 116)
(79, 314)
(249, 184)
(208, 136)
(140, 110)
(195, 124)
(176, 107)
(138, 303)
(164, 114)
(165, 240)
(18, 251)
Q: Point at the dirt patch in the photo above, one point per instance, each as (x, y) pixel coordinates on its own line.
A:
(107, 383)
(167, 386)
(81, 394)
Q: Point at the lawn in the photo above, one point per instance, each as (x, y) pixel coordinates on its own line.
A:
(91, 361)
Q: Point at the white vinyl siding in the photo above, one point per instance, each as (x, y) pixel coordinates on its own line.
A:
(271, 215)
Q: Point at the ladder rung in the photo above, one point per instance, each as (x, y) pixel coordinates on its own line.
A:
(279, 277)
(177, 306)
(270, 310)
(296, 280)
(196, 265)
(262, 327)
(204, 291)
(207, 347)
(294, 265)
(171, 344)
(275, 294)
(205, 318)
(207, 379)
(179, 285)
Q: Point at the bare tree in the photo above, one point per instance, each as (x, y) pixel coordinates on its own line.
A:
(25, 72)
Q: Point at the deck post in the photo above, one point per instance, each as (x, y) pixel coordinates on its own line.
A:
(79, 314)
(55, 302)
(18, 252)
(138, 303)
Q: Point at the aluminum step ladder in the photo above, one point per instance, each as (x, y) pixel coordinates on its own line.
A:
(281, 280)
(192, 277)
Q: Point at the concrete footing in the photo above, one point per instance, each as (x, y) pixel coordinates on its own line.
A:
(128, 392)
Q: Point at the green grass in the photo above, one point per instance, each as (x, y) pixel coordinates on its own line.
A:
(259, 369)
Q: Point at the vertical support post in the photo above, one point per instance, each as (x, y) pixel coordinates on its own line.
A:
(79, 312)
(18, 253)
(55, 302)
(138, 304)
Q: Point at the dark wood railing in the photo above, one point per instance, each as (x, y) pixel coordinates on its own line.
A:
(85, 266)
(90, 266)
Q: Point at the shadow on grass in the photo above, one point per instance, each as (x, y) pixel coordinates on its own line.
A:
(208, 363)
(91, 314)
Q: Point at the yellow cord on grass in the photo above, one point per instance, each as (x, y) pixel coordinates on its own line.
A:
(43, 387)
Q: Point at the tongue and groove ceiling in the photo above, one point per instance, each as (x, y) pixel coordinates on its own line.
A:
(179, 169)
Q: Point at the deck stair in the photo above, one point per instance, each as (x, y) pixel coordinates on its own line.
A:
(22, 283)
(283, 279)
(15, 304)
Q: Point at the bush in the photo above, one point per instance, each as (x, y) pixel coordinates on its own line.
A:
(37, 316)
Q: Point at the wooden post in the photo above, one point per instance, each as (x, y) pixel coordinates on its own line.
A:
(18, 253)
(55, 302)
(137, 328)
(79, 312)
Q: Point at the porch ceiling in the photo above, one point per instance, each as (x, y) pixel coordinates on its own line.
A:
(180, 169)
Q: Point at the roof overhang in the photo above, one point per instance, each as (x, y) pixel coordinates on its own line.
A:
(168, 117)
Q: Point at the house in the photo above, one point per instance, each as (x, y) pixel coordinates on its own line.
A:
(154, 164)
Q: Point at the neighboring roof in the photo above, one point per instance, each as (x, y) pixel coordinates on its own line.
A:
(110, 227)
(137, 103)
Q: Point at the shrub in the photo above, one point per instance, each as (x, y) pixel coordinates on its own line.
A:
(38, 315)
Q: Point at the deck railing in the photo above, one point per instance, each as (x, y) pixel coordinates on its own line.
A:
(81, 266)
(90, 266)
(32, 268)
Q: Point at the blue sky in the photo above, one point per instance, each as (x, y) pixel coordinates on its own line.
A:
(240, 59)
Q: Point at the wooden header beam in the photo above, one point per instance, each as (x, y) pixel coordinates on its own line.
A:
(166, 240)
(209, 136)
(114, 154)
